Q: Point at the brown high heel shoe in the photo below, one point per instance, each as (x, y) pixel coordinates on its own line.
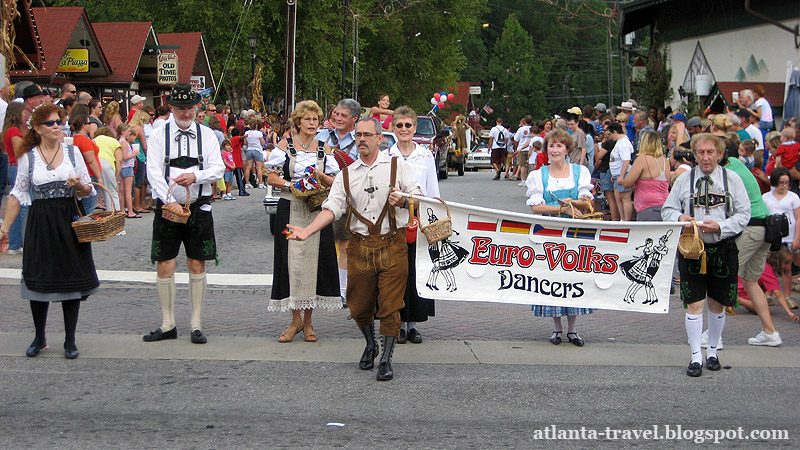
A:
(308, 334)
(289, 334)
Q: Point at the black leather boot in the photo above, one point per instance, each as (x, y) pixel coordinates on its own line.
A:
(385, 365)
(371, 350)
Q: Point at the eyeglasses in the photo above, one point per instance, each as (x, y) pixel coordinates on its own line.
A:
(404, 125)
(620, 121)
(50, 123)
(783, 183)
(365, 135)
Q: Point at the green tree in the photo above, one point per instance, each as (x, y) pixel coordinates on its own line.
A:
(517, 74)
(654, 91)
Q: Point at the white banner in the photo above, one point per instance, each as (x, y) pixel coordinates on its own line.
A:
(507, 257)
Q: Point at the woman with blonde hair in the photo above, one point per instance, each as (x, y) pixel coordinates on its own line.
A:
(139, 120)
(111, 117)
(649, 177)
(305, 272)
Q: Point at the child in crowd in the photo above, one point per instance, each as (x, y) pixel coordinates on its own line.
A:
(746, 149)
(129, 153)
(789, 150)
(227, 158)
(771, 143)
(776, 262)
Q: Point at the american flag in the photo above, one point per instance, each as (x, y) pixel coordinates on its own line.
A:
(487, 109)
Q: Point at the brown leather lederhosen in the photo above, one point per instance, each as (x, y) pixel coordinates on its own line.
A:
(377, 267)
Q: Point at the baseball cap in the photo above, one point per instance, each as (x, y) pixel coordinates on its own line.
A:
(601, 107)
(575, 110)
(679, 116)
(137, 98)
(694, 122)
(743, 113)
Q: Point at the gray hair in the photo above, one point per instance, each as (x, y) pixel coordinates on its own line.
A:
(747, 93)
(641, 115)
(561, 123)
(378, 126)
(352, 105)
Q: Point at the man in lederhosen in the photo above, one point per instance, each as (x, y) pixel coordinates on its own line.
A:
(343, 142)
(376, 260)
(187, 154)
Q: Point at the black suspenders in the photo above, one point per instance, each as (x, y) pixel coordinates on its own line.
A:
(168, 160)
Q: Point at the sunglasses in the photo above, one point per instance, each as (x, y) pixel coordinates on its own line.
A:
(73, 92)
(152, 115)
(404, 125)
(211, 110)
(50, 123)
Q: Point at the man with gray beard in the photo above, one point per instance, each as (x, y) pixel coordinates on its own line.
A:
(186, 154)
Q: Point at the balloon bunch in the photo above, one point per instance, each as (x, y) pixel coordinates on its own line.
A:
(440, 98)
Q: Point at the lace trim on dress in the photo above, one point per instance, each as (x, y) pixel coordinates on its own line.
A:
(293, 303)
(275, 169)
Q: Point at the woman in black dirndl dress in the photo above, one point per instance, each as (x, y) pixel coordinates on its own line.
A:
(55, 266)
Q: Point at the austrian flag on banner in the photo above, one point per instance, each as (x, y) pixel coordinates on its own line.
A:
(507, 257)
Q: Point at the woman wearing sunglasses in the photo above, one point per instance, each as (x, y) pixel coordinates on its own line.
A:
(55, 266)
(422, 162)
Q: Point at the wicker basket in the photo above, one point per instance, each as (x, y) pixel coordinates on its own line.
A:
(591, 215)
(690, 244)
(313, 197)
(103, 225)
(173, 215)
(439, 230)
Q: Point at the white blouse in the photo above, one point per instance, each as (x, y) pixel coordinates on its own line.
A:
(22, 187)
(423, 164)
(278, 156)
(535, 191)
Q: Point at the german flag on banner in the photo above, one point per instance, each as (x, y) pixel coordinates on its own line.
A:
(509, 226)
(581, 233)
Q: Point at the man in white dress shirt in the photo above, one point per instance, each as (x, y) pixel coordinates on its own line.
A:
(377, 260)
(186, 154)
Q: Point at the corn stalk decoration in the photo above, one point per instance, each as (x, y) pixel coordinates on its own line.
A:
(255, 89)
(8, 13)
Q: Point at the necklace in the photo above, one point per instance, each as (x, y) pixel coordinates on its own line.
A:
(50, 163)
(305, 146)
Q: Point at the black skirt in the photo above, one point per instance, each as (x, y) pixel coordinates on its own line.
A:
(327, 270)
(54, 262)
(417, 309)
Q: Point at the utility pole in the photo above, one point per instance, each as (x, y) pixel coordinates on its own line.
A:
(355, 57)
(344, 45)
(288, 80)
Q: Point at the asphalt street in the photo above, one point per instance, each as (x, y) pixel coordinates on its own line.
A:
(484, 377)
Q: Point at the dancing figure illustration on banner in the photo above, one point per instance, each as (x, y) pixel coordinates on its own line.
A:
(642, 269)
(445, 255)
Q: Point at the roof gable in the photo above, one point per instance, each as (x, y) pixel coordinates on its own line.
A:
(124, 42)
(68, 27)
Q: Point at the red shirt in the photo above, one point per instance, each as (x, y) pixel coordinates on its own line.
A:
(10, 133)
(541, 160)
(87, 145)
(788, 152)
(236, 144)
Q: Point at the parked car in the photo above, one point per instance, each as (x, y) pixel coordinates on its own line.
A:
(479, 158)
(432, 135)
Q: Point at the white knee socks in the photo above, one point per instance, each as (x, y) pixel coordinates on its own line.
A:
(716, 323)
(694, 330)
(166, 293)
(197, 293)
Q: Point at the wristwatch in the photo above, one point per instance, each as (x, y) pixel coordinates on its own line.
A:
(287, 185)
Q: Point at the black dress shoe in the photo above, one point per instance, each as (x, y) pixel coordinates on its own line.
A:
(712, 363)
(159, 335)
(34, 349)
(71, 353)
(576, 340)
(402, 338)
(695, 369)
(244, 194)
(555, 339)
(414, 337)
(198, 337)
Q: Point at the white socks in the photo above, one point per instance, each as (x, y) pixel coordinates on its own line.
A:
(166, 293)
(694, 330)
(343, 283)
(412, 326)
(197, 293)
(716, 322)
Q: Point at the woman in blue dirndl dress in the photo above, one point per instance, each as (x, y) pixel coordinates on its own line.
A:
(562, 181)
